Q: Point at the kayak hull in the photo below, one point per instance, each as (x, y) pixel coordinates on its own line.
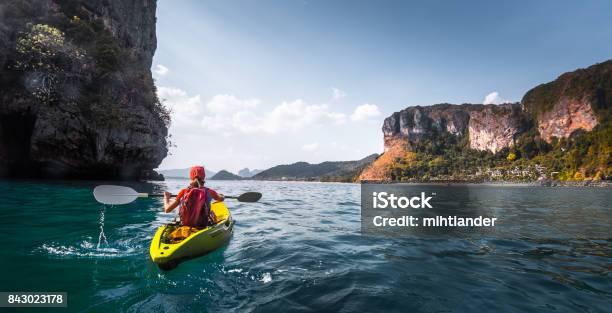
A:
(168, 255)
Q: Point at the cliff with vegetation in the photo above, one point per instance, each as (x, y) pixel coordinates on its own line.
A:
(78, 99)
(559, 131)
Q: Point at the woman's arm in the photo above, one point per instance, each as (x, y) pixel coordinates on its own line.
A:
(169, 204)
(216, 196)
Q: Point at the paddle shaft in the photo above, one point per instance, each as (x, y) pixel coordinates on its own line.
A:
(161, 195)
(115, 195)
(158, 195)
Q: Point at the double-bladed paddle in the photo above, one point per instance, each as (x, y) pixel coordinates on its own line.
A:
(114, 195)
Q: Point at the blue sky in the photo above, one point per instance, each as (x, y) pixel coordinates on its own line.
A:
(260, 83)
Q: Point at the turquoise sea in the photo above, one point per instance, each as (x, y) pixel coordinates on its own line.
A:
(300, 249)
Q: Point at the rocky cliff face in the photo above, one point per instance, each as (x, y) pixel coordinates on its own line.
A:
(416, 123)
(78, 99)
(494, 127)
(490, 127)
(566, 117)
(576, 101)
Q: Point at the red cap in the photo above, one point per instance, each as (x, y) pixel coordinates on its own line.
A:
(197, 172)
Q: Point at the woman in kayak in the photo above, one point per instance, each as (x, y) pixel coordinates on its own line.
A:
(194, 200)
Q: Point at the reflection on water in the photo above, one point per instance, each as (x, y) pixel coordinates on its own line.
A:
(300, 249)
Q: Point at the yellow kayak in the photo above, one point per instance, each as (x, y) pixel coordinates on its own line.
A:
(173, 243)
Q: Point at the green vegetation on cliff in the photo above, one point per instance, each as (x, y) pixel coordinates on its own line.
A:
(584, 155)
(593, 84)
(83, 58)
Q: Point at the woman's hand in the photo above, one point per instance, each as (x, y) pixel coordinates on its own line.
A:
(222, 196)
(169, 204)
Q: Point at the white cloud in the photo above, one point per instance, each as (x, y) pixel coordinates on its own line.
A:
(337, 94)
(365, 111)
(311, 147)
(185, 109)
(161, 70)
(227, 114)
(297, 114)
(494, 98)
(249, 132)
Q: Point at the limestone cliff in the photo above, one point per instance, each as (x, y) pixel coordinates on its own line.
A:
(576, 100)
(417, 123)
(490, 127)
(566, 116)
(78, 99)
(482, 141)
(494, 127)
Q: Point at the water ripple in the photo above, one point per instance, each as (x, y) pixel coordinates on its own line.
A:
(298, 252)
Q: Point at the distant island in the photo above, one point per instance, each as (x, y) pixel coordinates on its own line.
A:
(341, 171)
(560, 131)
(338, 171)
(245, 172)
(225, 175)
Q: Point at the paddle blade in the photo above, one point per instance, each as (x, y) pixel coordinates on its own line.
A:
(110, 194)
(249, 197)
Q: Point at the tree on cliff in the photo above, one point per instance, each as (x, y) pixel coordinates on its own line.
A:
(46, 59)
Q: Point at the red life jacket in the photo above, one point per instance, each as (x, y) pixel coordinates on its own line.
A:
(195, 207)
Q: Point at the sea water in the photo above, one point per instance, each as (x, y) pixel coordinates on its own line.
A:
(300, 249)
